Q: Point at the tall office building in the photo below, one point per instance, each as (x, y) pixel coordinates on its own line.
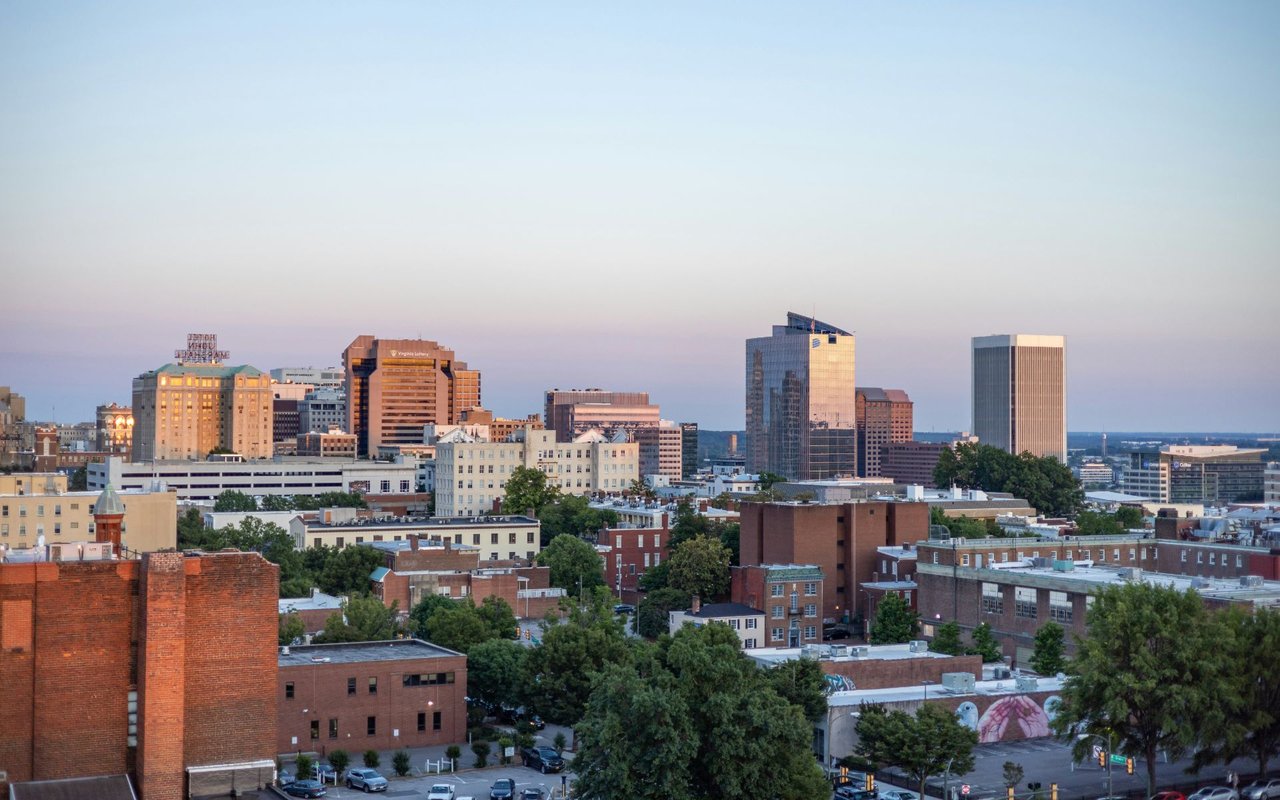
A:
(801, 420)
(1020, 393)
(884, 418)
(573, 412)
(689, 448)
(661, 450)
(187, 409)
(395, 386)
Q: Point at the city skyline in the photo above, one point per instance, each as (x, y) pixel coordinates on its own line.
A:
(575, 197)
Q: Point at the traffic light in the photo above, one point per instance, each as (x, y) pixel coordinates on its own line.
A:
(528, 634)
(1102, 758)
(1128, 765)
(871, 782)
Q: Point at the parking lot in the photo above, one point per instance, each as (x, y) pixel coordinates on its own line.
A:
(469, 783)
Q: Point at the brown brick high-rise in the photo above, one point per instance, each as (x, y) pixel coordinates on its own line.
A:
(193, 636)
(841, 538)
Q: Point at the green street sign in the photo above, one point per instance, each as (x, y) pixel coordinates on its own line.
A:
(1121, 760)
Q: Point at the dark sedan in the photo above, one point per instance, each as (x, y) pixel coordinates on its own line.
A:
(307, 788)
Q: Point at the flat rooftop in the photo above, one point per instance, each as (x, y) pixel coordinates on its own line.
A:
(900, 694)
(424, 522)
(772, 656)
(1089, 575)
(362, 652)
(318, 601)
(402, 546)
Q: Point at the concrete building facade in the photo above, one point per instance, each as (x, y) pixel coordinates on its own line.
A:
(1020, 393)
(34, 505)
(1216, 474)
(184, 411)
(572, 412)
(507, 538)
(885, 417)
(115, 430)
(800, 401)
(395, 386)
(660, 450)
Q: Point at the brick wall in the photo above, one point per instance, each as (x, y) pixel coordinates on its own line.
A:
(162, 675)
(886, 673)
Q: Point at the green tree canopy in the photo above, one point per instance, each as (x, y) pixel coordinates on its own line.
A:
(920, 745)
(730, 536)
(459, 627)
(701, 566)
(1049, 654)
(231, 500)
(348, 569)
(965, 527)
(372, 620)
(494, 671)
(1044, 482)
(656, 577)
(802, 683)
(558, 671)
(420, 614)
(573, 514)
(304, 502)
(572, 562)
(528, 490)
(653, 614)
(1148, 672)
(686, 524)
(291, 629)
(947, 640)
(1250, 728)
(985, 644)
(498, 617)
(895, 623)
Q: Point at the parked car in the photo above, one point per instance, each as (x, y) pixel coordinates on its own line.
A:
(1261, 790)
(536, 721)
(1215, 793)
(1169, 795)
(543, 759)
(285, 778)
(624, 608)
(366, 779)
(441, 791)
(325, 773)
(532, 793)
(307, 788)
(854, 793)
(502, 789)
(899, 794)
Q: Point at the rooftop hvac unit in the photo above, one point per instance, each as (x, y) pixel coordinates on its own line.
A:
(958, 681)
(840, 650)
(919, 646)
(1131, 573)
(1026, 683)
(1200, 583)
(1041, 562)
(1252, 581)
(1063, 566)
(1001, 674)
(861, 651)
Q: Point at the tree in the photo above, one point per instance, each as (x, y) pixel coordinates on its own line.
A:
(1012, 774)
(920, 746)
(1048, 657)
(231, 500)
(573, 562)
(303, 502)
(304, 767)
(641, 489)
(498, 617)
(372, 759)
(730, 536)
(458, 628)
(947, 640)
(558, 672)
(559, 743)
(895, 622)
(686, 524)
(985, 644)
(422, 612)
(1044, 482)
(1130, 517)
(505, 743)
(653, 613)
(1251, 728)
(278, 502)
(1148, 673)
(802, 683)
(79, 480)
(348, 570)
(573, 514)
(965, 527)
(370, 619)
(1096, 523)
(656, 577)
(528, 490)
(768, 479)
(400, 763)
(494, 670)
(337, 630)
(481, 749)
(701, 566)
(636, 735)
(339, 760)
(191, 530)
(291, 629)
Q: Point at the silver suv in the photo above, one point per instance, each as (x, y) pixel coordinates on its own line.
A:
(366, 780)
(1261, 790)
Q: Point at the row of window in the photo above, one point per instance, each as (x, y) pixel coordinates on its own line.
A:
(778, 634)
(810, 610)
(57, 510)
(57, 529)
(425, 679)
(371, 725)
(777, 589)
(1025, 603)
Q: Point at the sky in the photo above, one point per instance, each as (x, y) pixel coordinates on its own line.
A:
(618, 195)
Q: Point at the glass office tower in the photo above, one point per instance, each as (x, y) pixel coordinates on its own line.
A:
(800, 401)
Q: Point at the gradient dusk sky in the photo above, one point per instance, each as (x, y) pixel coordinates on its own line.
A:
(617, 195)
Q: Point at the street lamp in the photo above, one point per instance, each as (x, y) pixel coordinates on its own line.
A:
(926, 690)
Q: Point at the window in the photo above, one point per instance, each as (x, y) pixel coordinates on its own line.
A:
(429, 679)
(935, 558)
(777, 612)
(1024, 602)
(288, 691)
(315, 729)
(775, 590)
(1060, 607)
(992, 599)
(1132, 554)
(811, 609)
(351, 686)
(528, 539)
(751, 623)
(811, 632)
(333, 728)
(964, 560)
(776, 634)
(493, 538)
(1239, 561)
(373, 726)
(373, 686)
(1199, 558)
(1184, 556)
(906, 597)
(750, 644)
(1213, 557)
(422, 721)
(811, 589)
(436, 720)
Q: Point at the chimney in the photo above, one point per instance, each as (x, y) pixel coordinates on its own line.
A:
(697, 604)
(413, 541)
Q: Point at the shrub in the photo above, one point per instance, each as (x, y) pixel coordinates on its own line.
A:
(400, 763)
(504, 743)
(305, 767)
(371, 759)
(559, 743)
(339, 760)
(481, 749)
(453, 753)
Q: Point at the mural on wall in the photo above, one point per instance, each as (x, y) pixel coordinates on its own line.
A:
(838, 683)
(1020, 711)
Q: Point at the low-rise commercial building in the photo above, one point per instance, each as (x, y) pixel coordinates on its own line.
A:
(791, 596)
(313, 611)
(36, 508)
(332, 444)
(507, 538)
(369, 696)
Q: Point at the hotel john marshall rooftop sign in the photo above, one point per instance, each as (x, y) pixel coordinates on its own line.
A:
(202, 348)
